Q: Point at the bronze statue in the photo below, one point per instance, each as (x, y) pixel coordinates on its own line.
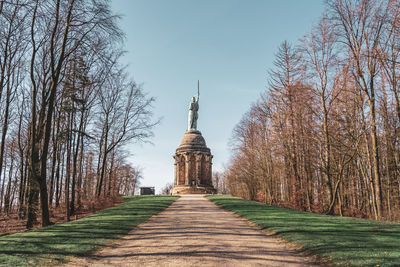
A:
(193, 111)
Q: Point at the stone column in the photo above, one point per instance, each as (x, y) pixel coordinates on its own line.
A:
(198, 169)
(187, 166)
(210, 171)
(176, 169)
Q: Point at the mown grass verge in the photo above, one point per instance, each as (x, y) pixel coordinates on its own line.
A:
(57, 243)
(343, 241)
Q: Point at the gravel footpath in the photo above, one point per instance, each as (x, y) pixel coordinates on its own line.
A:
(193, 231)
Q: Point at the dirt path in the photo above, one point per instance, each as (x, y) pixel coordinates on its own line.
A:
(193, 231)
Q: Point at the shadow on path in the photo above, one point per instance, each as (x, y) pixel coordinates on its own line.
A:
(195, 232)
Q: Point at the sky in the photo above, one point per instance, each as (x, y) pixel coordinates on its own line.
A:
(229, 45)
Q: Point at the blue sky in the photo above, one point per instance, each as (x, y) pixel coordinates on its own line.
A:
(228, 45)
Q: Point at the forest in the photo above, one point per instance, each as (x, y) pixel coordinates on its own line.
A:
(68, 109)
(325, 135)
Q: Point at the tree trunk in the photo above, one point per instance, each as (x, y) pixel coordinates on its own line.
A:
(375, 159)
(68, 169)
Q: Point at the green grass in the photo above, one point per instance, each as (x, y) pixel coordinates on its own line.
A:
(57, 243)
(342, 240)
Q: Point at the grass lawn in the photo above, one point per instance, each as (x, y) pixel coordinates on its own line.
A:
(55, 244)
(342, 240)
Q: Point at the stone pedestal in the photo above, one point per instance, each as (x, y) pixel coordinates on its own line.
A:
(193, 166)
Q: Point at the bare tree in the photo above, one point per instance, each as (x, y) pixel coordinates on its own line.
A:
(325, 134)
(319, 49)
(361, 26)
(124, 115)
(54, 38)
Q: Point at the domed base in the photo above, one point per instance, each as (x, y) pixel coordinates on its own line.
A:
(193, 141)
(186, 189)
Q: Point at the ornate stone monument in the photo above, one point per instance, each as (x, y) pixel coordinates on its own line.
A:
(193, 159)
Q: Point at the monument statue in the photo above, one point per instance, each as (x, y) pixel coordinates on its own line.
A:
(193, 111)
(193, 159)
